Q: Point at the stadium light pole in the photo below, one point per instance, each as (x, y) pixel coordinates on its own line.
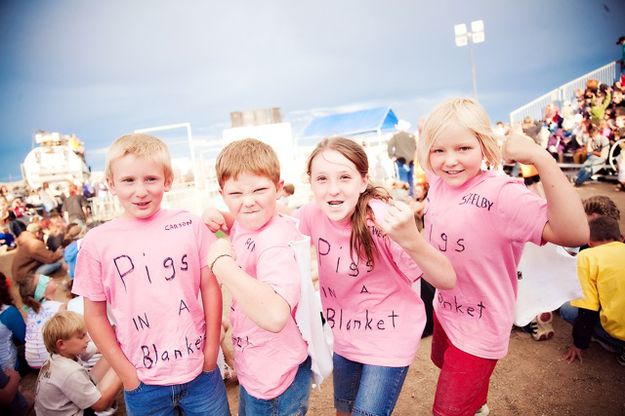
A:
(465, 37)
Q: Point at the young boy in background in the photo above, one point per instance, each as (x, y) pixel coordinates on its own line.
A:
(64, 387)
(599, 313)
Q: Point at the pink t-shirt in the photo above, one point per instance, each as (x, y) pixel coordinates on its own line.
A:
(482, 227)
(375, 316)
(148, 272)
(267, 362)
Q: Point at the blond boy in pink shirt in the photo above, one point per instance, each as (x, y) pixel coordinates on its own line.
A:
(260, 270)
(149, 268)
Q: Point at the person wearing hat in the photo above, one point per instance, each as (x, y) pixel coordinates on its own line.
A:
(401, 149)
(32, 255)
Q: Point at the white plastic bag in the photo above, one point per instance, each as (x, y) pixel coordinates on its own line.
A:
(308, 315)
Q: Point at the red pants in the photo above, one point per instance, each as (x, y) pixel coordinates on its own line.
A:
(463, 382)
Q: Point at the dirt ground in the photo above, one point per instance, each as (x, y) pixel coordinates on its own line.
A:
(532, 380)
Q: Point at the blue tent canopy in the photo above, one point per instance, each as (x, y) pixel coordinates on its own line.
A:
(353, 123)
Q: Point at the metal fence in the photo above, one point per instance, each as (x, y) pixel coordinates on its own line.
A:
(607, 74)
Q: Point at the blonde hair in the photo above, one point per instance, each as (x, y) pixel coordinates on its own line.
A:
(141, 146)
(361, 241)
(62, 325)
(247, 155)
(465, 113)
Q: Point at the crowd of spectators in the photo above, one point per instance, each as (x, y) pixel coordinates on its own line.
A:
(583, 131)
(46, 214)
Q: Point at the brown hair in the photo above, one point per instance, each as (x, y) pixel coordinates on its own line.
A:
(602, 205)
(289, 188)
(604, 228)
(247, 155)
(5, 295)
(26, 287)
(361, 241)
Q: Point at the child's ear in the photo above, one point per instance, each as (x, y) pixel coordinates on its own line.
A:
(168, 182)
(59, 344)
(110, 184)
(279, 186)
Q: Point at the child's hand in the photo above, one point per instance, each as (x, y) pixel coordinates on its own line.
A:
(520, 148)
(399, 223)
(214, 220)
(220, 248)
(573, 354)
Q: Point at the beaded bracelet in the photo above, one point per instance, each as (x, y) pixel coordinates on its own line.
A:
(217, 258)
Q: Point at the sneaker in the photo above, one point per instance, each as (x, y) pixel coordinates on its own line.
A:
(620, 358)
(483, 411)
(541, 328)
(604, 345)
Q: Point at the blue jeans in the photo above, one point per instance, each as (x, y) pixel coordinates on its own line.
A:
(363, 389)
(293, 401)
(405, 173)
(569, 312)
(204, 395)
(49, 268)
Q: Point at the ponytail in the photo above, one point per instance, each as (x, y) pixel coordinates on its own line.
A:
(361, 242)
(27, 290)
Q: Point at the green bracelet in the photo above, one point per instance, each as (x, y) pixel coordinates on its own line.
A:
(217, 258)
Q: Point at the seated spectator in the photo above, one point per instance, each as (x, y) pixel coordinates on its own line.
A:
(64, 386)
(12, 400)
(38, 292)
(598, 148)
(6, 238)
(32, 255)
(599, 313)
(12, 327)
(75, 233)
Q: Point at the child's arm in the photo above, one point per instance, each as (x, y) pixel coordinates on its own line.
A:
(109, 386)
(582, 332)
(101, 331)
(217, 220)
(400, 225)
(567, 224)
(257, 299)
(212, 304)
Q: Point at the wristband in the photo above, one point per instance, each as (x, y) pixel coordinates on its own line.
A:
(217, 258)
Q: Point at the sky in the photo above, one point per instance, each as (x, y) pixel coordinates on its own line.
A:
(103, 69)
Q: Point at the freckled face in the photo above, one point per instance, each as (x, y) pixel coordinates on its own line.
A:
(251, 199)
(336, 184)
(456, 156)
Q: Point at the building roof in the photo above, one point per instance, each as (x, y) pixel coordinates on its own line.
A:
(372, 120)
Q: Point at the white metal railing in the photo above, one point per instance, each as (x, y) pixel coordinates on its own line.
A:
(535, 109)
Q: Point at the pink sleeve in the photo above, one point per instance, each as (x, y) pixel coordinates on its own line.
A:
(303, 214)
(88, 275)
(277, 266)
(405, 263)
(523, 213)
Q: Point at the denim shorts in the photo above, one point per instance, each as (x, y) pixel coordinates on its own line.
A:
(204, 395)
(292, 402)
(364, 389)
